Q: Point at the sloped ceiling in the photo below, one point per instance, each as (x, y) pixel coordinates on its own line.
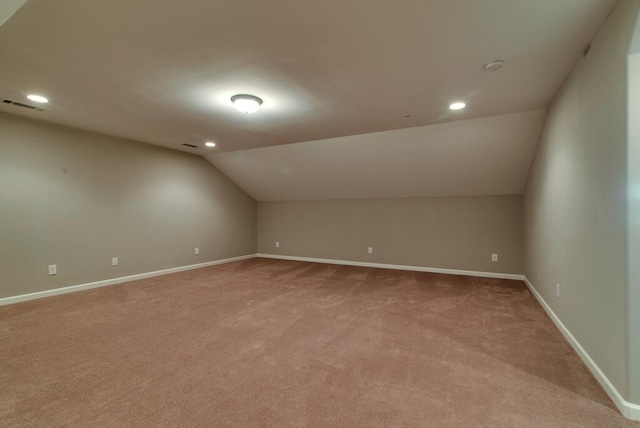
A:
(356, 93)
(487, 156)
(162, 71)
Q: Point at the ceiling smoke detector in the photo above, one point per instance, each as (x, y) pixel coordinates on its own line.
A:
(494, 65)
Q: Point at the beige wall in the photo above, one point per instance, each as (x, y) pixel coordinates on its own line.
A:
(449, 232)
(575, 200)
(633, 219)
(77, 199)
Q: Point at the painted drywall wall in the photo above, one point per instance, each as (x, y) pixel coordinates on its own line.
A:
(77, 199)
(448, 232)
(633, 220)
(575, 200)
(8, 8)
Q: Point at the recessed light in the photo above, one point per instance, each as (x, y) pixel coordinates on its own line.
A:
(38, 98)
(457, 106)
(245, 103)
(210, 144)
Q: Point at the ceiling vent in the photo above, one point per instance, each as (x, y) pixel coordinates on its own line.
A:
(190, 145)
(23, 105)
(494, 65)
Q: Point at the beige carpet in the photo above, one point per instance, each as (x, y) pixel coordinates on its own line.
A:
(265, 343)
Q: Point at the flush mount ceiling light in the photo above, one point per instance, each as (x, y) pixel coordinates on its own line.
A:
(457, 106)
(246, 103)
(38, 98)
(210, 144)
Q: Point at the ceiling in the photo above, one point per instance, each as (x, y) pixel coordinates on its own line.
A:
(162, 72)
(486, 156)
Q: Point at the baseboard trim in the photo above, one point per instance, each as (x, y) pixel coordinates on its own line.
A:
(112, 281)
(397, 267)
(628, 410)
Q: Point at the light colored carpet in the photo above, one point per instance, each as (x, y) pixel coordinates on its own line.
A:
(263, 343)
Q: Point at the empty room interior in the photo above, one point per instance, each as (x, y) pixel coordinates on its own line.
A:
(303, 213)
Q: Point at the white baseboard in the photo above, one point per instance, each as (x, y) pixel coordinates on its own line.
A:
(397, 267)
(104, 283)
(629, 410)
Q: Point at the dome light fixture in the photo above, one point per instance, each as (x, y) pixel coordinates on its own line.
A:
(245, 103)
(38, 98)
(457, 106)
(210, 144)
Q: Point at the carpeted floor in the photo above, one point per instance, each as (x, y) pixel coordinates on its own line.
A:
(266, 343)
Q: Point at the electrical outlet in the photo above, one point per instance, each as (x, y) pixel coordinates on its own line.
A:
(277, 244)
(370, 250)
(53, 269)
(557, 291)
(494, 257)
(114, 261)
(197, 251)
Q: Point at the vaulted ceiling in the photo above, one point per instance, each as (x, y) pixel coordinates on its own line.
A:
(163, 71)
